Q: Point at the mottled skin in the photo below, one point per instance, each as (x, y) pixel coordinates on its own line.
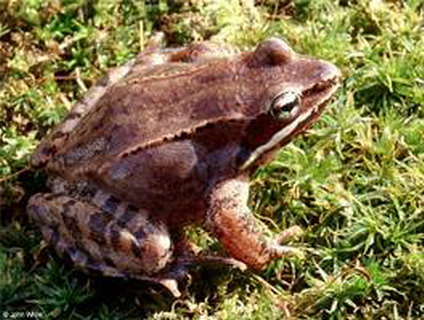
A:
(167, 140)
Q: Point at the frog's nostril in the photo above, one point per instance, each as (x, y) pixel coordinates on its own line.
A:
(329, 71)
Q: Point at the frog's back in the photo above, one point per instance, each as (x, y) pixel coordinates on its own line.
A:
(170, 102)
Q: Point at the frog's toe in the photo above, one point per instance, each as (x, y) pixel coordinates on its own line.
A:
(171, 285)
(279, 251)
(196, 260)
(290, 234)
(170, 278)
(222, 261)
(179, 272)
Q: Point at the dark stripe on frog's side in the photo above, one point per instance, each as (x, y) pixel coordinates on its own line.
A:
(122, 212)
(70, 220)
(108, 203)
(128, 215)
(182, 135)
(84, 259)
(114, 238)
(140, 233)
(97, 223)
(111, 205)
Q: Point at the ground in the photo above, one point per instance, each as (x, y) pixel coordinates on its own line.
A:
(354, 181)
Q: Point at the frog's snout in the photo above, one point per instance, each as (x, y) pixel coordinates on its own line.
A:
(329, 72)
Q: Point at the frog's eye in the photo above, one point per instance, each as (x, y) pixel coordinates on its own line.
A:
(284, 104)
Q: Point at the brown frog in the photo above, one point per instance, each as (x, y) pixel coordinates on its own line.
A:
(170, 139)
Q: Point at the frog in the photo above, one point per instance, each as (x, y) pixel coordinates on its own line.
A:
(169, 140)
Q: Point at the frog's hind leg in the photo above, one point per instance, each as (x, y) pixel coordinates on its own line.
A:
(126, 244)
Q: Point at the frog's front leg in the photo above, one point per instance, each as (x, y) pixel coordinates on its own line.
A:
(231, 221)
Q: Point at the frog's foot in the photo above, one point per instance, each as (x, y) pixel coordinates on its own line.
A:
(213, 260)
(166, 280)
(189, 254)
(278, 250)
(179, 271)
(292, 233)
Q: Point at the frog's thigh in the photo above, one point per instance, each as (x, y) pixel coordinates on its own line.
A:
(127, 244)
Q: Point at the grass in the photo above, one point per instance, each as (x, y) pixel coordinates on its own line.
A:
(354, 182)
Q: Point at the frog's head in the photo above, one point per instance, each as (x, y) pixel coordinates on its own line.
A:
(289, 93)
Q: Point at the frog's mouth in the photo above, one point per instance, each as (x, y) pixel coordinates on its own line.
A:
(314, 101)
